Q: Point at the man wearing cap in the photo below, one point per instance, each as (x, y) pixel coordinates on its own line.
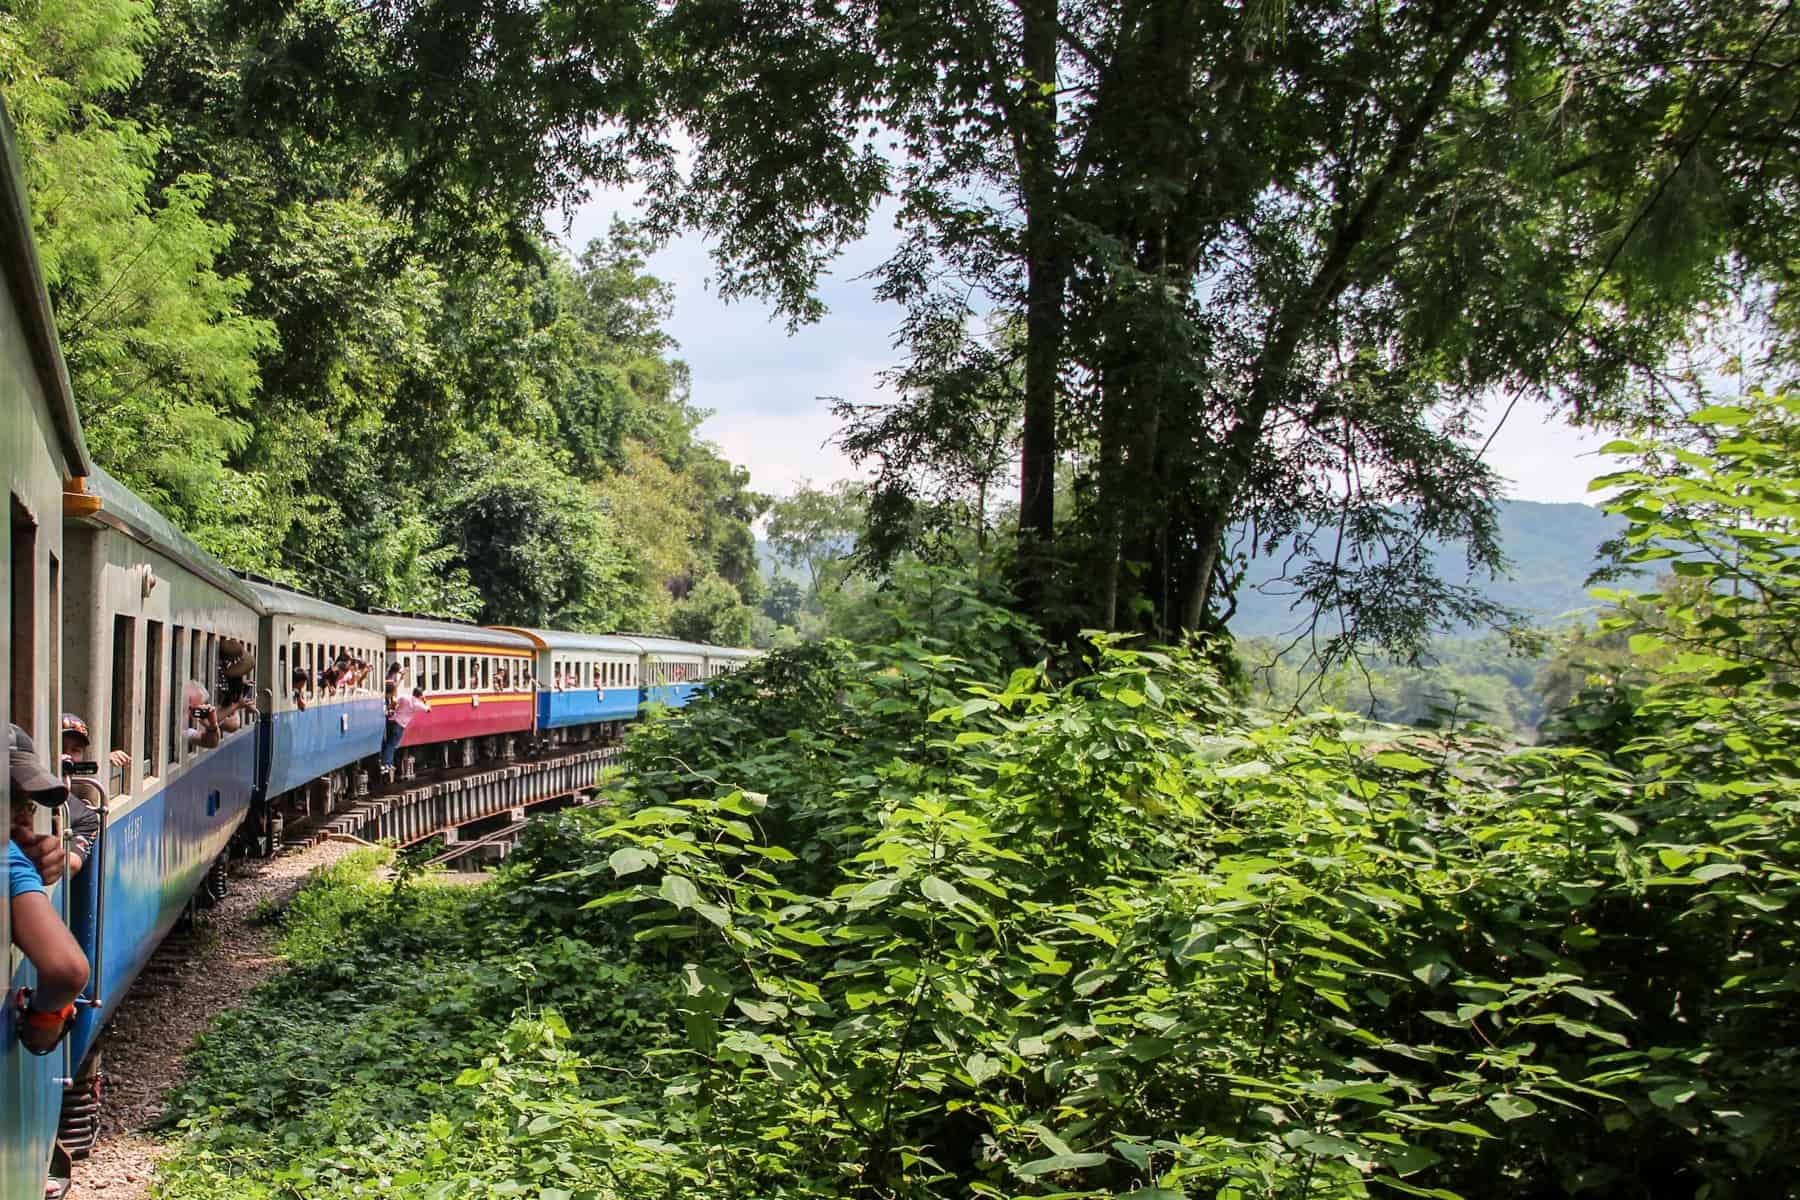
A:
(37, 930)
(86, 795)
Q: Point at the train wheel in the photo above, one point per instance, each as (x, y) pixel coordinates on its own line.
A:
(79, 1124)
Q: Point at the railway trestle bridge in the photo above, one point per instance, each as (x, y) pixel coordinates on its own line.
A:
(479, 810)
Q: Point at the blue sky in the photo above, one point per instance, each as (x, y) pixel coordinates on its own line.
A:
(764, 385)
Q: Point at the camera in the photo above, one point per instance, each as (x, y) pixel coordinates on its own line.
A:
(72, 766)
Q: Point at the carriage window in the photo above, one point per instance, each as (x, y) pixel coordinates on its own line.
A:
(24, 618)
(153, 696)
(462, 673)
(247, 715)
(121, 735)
(437, 672)
(418, 679)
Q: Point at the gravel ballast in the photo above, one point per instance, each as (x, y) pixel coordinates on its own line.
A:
(189, 981)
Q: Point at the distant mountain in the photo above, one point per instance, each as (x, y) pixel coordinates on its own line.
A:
(1550, 549)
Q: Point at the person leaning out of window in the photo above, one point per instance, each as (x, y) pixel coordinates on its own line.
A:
(47, 1011)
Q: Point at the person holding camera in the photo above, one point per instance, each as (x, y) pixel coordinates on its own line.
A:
(87, 796)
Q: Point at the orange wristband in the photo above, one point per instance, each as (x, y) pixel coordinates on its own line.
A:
(52, 1020)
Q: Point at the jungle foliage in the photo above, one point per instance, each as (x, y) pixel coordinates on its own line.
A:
(940, 916)
(290, 368)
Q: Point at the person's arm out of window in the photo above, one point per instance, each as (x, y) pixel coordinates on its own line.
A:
(62, 968)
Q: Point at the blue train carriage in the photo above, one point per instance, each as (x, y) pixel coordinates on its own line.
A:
(41, 448)
(162, 642)
(669, 671)
(587, 684)
(318, 727)
(721, 660)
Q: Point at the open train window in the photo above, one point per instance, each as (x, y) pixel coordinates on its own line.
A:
(24, 618)
(153, 697)
(121, 735)
(437, 672)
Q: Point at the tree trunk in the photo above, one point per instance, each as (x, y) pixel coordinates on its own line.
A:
(1043, 297)
(1295, 321)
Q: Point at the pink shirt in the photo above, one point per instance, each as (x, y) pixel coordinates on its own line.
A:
(407, 707)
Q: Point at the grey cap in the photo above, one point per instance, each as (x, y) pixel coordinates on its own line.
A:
(29, 776)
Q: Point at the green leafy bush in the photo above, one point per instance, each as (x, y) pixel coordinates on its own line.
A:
(912, 920)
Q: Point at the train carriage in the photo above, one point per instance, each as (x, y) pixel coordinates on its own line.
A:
(670, 671)
(586, 681)
(40, 449)
(161, 647)
(721, 660)
(316, 728)
(478, 681)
